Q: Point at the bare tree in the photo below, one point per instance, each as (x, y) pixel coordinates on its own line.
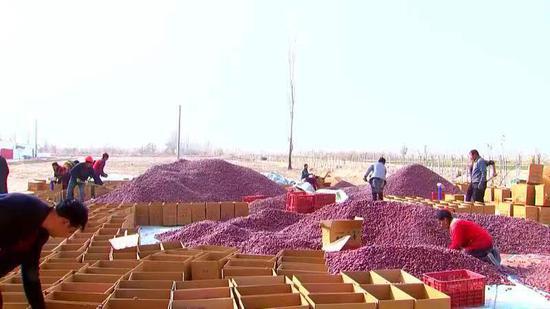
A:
(291, 101)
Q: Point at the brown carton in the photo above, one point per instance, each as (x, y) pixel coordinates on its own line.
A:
(203, 293)
(164, 266)
(156, 215)
(394, 276)
(146, 284)
(230, 272)
(362, 278)
(198, 211)
(86, 287)
(62, 304)
(544, 215)
(97, 298)
(294, 301)
(213, 211)
(302, 253)
(254, 257)
(324, 288)
(117, 264)
(332, 230)
(216, 249)
(249, 263)
(115, 303)
(489, 209)
(390, 297)
(156, 276)
(535, 174)
(227, 211)
(93, 278)
(167, 257)
(105, 271)
(425, 296)
(241, 209)
(542, 195)
(208, 266)
(501, 194)
(523, 194)
(213, 303)
(265, 290)
(342, 301)
(505, 209)
(299, 259)
(489, 194)
(170, 214)
(142, 294)
(260, 280)
(317, 278)
(200, 284)
(171, 245)
(184, 214)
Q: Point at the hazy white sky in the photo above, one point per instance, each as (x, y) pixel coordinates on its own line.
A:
(370, 75)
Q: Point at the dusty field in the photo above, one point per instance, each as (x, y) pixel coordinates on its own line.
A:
(21, 172)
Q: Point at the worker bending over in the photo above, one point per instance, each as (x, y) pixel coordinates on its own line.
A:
(376, 176)
(470, 237)
(79, 174)
(26, 224)
(99, 165)
(61, 174)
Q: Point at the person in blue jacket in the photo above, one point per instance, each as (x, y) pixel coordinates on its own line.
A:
(79, 174)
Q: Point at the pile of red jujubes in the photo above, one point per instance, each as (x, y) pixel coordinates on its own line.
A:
(194, 181)
(416, 180)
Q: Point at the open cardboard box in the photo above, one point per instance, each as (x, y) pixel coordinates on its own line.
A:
(167, 266)
(200, 284)
(117, 264)
(202, 293)
(122, 272)
(290, 269)
(73, 247)
(389, 297)
(425, 296)
(100, 243)
(302, 253)
(209, 266)
(334, 230)
(146, 284)
(250, 263)
(216, 249)
(300, 259)
(83, 287)
(137, 275)
(362, 278)
(114, 303)
(16, 279)
(92, 278)
(97, 249)
(183, 252)
(227, 211)
(265, 290)
(260, 280)
(55, 273)
(14, 297)
(93, 257)
(296, 301)
(184, 214)
(213, 303)
(66, 266)
(241, 209)
(317, 278)
(198, 211)
(167, 257)
(329, 288)
(213, 211)
(341, 301)
(97, 298)
(240, 256)
(237, 271)
(125, 255)
(142, 294)
(393, 276)
(64, 304)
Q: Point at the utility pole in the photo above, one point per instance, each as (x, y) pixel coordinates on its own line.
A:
(179, 131)
(35, 138)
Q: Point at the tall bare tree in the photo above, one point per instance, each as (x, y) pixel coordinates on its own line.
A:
(291, 101)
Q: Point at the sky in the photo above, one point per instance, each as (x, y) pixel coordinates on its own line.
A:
(369, 75)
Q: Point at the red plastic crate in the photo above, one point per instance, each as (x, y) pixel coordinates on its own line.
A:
(252, 198)
(289, 198)
(302, 203)
(465, 287)
(323, 199)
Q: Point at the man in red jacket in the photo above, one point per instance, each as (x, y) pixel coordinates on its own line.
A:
(470, 237)
(99, 165)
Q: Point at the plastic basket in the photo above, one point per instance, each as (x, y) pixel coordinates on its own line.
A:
(302, 203)
(465, 287)
(289, 198)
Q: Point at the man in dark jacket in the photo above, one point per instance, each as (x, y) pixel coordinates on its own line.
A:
(26, 223)
(79, 174)
(4, 172)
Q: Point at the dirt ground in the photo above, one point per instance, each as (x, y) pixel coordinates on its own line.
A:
(120, 167)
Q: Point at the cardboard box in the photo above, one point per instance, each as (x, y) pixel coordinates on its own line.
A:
(302, 253)
(156, 276)
(171, 245)
(265, 290)
(164, 266)
(156, 214)
(501, 194)
(213, 211)
(142, 294)
(115, 303)
(184, 214)
(342, 300)
(86, 287)
(489, 194)
(454, 197)
(203, 293)
(523, 194)
(526, 212)
(230, 272)
(200, 284)
(216, 249)
(198, 211)
(214, 303)
(425, 296)
(544, 215)
(291, 269)
(362, 278)
(489, 209)
(260, 280)
(542, 195)
(240, 256)
(296, 301)
(122, 272)
(333, 230)
(298, 259)
(317, 278)
(393, 276)
(546, 174)
(233, 262)
(505, 209)
(170, 214)
(241, 209)
(117, 264)
(97, 298)
(227, 211)
(61, 304)
(324, 288)
(208, 266)
(477, 209)
(390, 297)
(146, 284)
(535, 174)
